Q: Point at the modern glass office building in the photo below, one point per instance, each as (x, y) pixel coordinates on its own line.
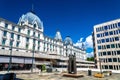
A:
(24, 44)
(106, 42)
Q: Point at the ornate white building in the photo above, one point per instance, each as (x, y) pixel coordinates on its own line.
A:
(26, 43)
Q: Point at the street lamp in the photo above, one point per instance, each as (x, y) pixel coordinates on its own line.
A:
(33, 55)
(10, 59)
(100, 60)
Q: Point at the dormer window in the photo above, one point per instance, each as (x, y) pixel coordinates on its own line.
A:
(32, 19)
(22, 23)
(19, 30)
(13, 27)
(34, 26)
(6, 25)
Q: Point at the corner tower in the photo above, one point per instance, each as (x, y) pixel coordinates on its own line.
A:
(32, 20)
(58, 36)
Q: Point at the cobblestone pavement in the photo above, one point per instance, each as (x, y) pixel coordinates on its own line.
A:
(35, 76)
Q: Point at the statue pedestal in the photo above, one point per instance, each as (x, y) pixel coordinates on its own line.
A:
(73, 75)
(72, 70)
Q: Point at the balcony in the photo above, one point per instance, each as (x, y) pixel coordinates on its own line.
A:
(18, 40)
(4, 37)
(27, 42)
(11, 39)
(42, 62)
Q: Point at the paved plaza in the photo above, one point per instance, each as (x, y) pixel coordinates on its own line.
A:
(52, 76)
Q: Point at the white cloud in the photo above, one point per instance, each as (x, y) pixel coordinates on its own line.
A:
(79, 43)
(88, 42)
(90, 54)
(81, 39)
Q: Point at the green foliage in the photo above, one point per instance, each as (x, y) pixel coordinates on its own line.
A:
(43, 67)
(90, 59)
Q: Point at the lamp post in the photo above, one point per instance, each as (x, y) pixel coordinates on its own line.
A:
(33, 56)
(10, 59)
(100, 60)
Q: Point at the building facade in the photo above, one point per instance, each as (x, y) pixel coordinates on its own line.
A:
(106, 42)
(24, 44)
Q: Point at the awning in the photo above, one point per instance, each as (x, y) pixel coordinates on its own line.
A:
(23, 60)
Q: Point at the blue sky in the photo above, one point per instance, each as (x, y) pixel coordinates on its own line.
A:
(74, 18)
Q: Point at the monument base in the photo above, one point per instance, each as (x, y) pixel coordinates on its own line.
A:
(73, 75)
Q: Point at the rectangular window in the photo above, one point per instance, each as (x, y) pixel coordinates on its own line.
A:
(5, 33)
(12, 35)
(110, 67)
(27, 39)
(103, 41)
(96, 29)
(19, 30)
(6, 25)
(98, 35)
(107, 40)
(108, 26)
(18, 37)
(34, 26)
(34, 41)
(108, 46)
(11, 43)
(116, 38)
(17, 44)
(99, 53)
(100, 28)
(104, 47)
(119, 31)
(38, 43)
(106, 66)
(38, 35)
(13, 27)
(118, 52)
(118, 59)
(3, 41)
(104, 53)
(28, 32)
(33, 33)
(106, 33)
(114, 32)
(38, 48)
(118, 45)
(98, 41)
(112, 45)
(111, 32)
(99, 47)
(27, 46)
(113, 39)
(105, 28)
(111, 26)
(109, 60)
(118, 24)
(109, 53)
(114, 59)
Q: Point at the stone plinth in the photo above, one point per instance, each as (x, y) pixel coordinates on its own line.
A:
(73, 75)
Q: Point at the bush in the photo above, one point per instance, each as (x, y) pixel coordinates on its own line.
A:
(43, 67)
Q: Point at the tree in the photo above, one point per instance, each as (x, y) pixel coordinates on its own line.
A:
(90, 59)
(43, 67)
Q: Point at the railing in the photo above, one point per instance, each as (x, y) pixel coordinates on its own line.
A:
(42, 62)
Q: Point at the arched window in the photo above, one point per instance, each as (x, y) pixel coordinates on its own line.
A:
(34, 26)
